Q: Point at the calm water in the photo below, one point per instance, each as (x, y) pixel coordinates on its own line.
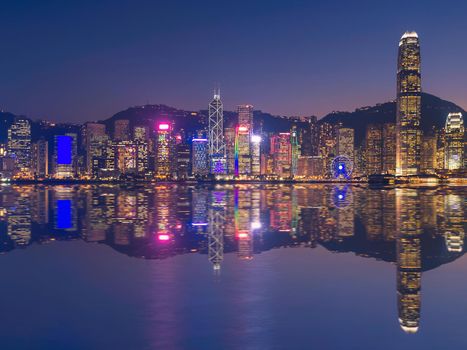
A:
(232, 267)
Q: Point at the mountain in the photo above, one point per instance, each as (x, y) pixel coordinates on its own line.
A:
(434, 113)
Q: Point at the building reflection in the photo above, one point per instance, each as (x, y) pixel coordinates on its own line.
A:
(417, 229)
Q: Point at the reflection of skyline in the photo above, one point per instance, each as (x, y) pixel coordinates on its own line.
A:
(418, 229)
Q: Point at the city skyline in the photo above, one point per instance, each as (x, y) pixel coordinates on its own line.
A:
(65, 82)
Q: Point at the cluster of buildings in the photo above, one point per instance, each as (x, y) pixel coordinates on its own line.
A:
(309, 150)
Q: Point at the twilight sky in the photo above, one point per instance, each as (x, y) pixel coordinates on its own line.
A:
(85, 60)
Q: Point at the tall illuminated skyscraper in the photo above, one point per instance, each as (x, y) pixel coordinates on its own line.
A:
(64, 155)
(217, 157)
(164, 150)
(454, 141)
(245, 116)
(19, 145)
(243, 135)
(409, 89)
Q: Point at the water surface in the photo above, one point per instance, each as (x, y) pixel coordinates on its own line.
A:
(232, 267)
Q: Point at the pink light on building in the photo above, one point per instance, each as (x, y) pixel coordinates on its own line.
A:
(163, 237)
(164, 126)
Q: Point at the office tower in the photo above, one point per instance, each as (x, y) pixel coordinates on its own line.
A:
(389, 148)
(345, 143)
(374, 149)
(200, 159)
(121, 130)
(19, 146)
(281, 150)
(229, 137)
(428, 153)
(360, 160)
(309, 138)
(255, 155)
(408, 106)
(94, 137)
(454, 142)
(40, 157)
(217, 156)
(142, 157)
(327, 142)
(141, 133)
(242, 151)
(183, 160)
(295, 150)
(126, 155)
(245, 116)
(65, 151)
(164, 151)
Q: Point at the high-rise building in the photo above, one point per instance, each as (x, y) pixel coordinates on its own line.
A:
(199, 155)
(345, 142)
(428, 153)
(389, 148)
(19, 145)
(229, 134)
(164, 150)
(374, 149)
(183, 160)
(454, 141)
(409, 89)
(94, 137)
(245, 116)
(242, 151)
(295, 145)
(141, 133)
(217, 152)
(281, 150)
(64, 160)
(243, 133)
(40, 159)
(255, 155)
(121, 130)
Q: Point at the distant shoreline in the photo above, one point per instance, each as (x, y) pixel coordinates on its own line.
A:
(462, 182)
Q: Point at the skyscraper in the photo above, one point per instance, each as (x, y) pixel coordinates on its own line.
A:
(217, 157)
(122, 130)
(164, 150)
(64, 155)
(245, 116)
(408, 106)
(454, 141)
(374, 146)
(255, 155)
(19, 145)
(345, 142)
(389, 148)
(199, 156)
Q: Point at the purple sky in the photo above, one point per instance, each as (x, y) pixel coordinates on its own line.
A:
(78, 60)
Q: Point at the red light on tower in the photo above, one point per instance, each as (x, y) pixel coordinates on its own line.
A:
(164, 126)
(242, 128)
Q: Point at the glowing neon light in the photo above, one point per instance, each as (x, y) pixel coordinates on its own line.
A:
(163, 237)
(164, 126)
(243, 235)
(256, 138)
(236, 150)
(200, 140)
(242, 128)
